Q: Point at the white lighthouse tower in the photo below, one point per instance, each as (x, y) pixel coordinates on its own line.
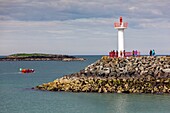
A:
(120, 26)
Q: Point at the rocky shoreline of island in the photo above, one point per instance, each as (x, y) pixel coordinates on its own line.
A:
(143, 74)
(40, 57)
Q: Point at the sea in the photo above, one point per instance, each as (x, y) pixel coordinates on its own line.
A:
(17, 95)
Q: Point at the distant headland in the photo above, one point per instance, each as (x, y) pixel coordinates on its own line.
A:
(40, 57)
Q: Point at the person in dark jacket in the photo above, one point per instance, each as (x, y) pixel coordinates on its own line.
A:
(124, 53)
(150, 53)
(133, 53)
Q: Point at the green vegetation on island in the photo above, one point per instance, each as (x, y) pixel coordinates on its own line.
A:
(40, 57)
(28, 54)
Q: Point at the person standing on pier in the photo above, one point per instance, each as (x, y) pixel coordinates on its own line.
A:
(153, 52)
(133, 53)
(124, 53)
(150, 53)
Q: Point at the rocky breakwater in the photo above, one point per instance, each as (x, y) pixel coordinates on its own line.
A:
(118, 75)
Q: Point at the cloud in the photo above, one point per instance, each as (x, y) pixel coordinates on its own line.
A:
(82, 26)
(80, 36)
(40, 10)
(133, 8)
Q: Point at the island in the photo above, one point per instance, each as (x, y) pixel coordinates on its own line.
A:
(40, 57)
(143, 74)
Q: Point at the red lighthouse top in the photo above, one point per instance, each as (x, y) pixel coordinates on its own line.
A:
(121, 24)
(121, 20)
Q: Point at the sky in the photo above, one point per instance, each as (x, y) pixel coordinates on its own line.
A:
(83, 27)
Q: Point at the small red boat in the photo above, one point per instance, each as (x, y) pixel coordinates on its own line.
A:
(27, 70)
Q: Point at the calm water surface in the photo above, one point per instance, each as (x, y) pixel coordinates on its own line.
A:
(16, 95)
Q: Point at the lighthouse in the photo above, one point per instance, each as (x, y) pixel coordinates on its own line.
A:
(120, 26)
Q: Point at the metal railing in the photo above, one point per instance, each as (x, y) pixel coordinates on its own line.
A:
(118, 24)
(124, 54)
